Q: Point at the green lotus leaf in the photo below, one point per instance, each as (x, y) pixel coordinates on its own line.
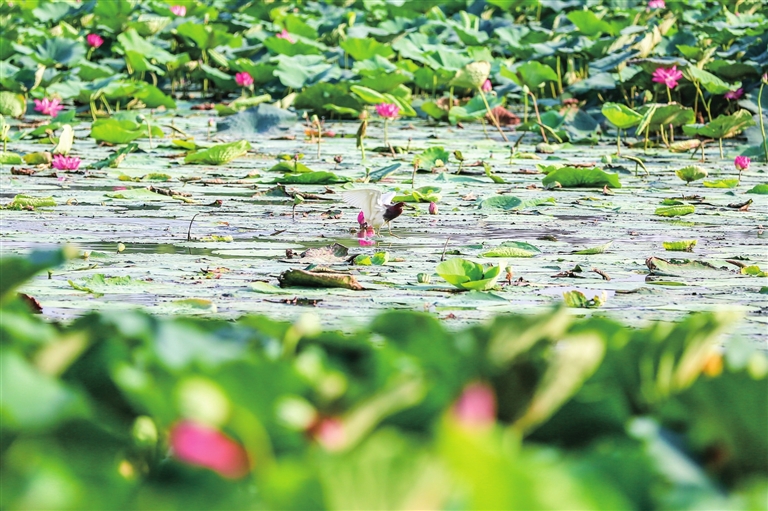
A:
(466, 274)
(573, 177)
(220, 153)
(675, 210)
(691, 173)
(621, 116)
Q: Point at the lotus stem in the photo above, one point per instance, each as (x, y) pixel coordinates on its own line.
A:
(762, 122)
(618, 141)
(493, 117)
(386, 131)
(538, 117)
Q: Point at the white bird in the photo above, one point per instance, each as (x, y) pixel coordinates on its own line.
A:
(377, 208)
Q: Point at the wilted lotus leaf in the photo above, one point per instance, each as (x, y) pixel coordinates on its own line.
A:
(472, 76)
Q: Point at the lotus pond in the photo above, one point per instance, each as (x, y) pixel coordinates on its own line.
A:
(572, 172)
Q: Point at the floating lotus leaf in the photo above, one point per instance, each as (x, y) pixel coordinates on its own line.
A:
(465, 274)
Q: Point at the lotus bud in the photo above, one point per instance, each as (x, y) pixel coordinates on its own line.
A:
(432, 208)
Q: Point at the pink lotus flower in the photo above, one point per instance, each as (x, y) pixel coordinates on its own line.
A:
(742, 162)
(361, 219)
(179, 10)
(94, 40)
(387, 110)
(285, 35)
(667, 76)
(734, 94)
(656, 4)
(244, 79)
(48, 106)
(207, 447)
(365, 233)
(432, 208)
(476, 407)
(61, 162)
(487, 86)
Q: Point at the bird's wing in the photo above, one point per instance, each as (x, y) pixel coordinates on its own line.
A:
(367, 200)
(386, 198)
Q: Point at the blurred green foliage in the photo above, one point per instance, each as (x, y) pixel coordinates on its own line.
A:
(564, 413)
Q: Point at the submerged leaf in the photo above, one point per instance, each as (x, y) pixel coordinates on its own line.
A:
(680, 246)
(594, 250)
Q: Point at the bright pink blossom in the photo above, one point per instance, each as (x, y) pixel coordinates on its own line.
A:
(656, 4)
(94, 40)
(742, 162)
(734, 94)
(387, 110)
(667, 76)
(204, 446)
(285, 35)
(361, 218)
(61, 162)
(48, 106)
(432, 208)
(487, 86)
(244, 79)
(476, 407)
(179, 10)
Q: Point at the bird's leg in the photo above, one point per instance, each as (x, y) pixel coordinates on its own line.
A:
(389, 226)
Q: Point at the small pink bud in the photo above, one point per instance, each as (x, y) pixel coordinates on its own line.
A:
(432, 208)
(487, 86)
(94, 40)
(476, 407)
(742, 163)
(285, 35)
(734, 94)
(656, 4)
(179, 10)
(329, 432)
(361, 218)
(207, 447)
